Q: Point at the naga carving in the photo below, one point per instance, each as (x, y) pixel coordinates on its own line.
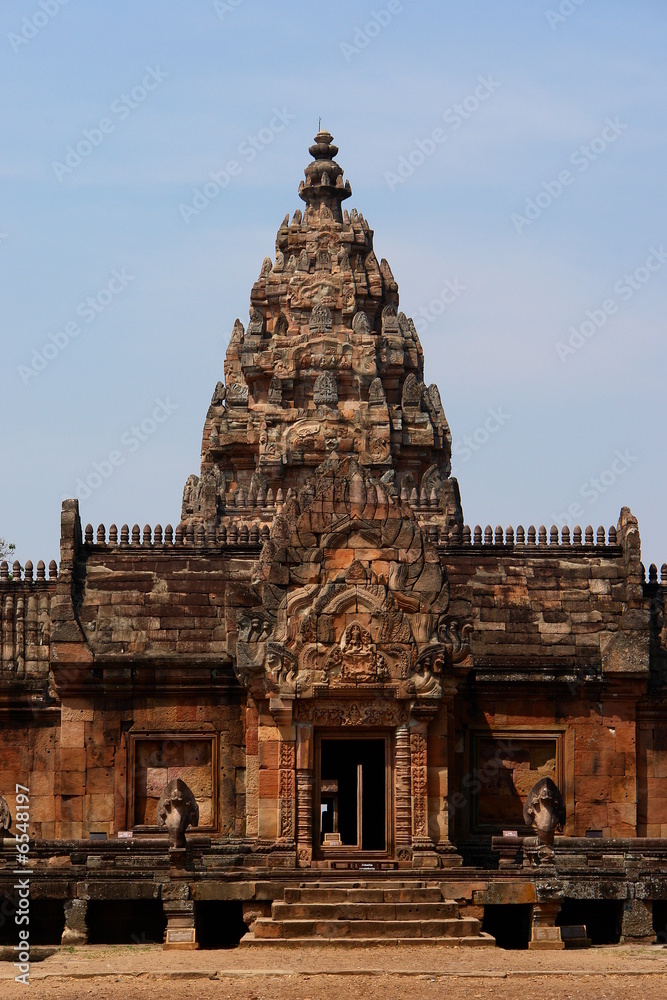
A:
(176, 811)
(544, 809)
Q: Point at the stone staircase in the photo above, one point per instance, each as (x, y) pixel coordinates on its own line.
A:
(366, 913)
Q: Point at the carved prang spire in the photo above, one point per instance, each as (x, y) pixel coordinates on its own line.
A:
(324, 180)
(328, 368)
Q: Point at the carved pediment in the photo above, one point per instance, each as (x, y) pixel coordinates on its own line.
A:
(350, 593)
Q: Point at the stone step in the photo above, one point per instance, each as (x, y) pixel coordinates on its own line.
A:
(368, 883)
(430, 894)
(363, 911)
(481, 940)
(265, 927)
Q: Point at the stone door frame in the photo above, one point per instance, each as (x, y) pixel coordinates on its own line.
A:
(347, 852)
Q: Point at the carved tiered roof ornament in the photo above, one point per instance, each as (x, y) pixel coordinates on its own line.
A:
(327, 367)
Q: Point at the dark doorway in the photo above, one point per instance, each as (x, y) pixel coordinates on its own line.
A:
(509, 924)
(219, 923)
(47, 919)
(602, 918)
(353, 795)
(125, 921)
(660, 920)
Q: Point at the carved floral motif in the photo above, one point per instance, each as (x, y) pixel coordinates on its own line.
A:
(346, 713)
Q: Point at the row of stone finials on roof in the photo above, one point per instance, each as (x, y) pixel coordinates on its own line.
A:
(249, 536)
(19, 572)
(256, 534)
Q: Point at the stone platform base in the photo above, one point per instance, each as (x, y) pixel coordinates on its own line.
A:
(366, 913)
(481, 940)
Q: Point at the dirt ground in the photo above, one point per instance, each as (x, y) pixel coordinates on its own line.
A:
(387, 973)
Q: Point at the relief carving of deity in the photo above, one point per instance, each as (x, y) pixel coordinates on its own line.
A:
(357, 657)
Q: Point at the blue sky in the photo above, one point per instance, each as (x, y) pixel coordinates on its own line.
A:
(531, 139)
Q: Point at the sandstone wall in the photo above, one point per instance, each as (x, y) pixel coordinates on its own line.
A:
(560, 642)
(30, 755)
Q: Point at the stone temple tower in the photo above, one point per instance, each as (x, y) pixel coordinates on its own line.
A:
(328, 672)
(328, 367)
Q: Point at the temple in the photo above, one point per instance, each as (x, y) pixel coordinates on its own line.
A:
(321, 705)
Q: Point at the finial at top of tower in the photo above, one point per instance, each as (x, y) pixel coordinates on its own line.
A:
(324, 189)
(323, 148)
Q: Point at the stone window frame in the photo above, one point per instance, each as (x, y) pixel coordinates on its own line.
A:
(533, 734)
(175, 735)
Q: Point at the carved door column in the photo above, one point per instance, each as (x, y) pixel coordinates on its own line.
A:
(402, 781)
(438, 777)
(304, 793)
(439, 817)
(286, 791)
(419, 785)
(252, 768)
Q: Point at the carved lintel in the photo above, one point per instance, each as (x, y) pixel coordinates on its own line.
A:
(348, 713)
